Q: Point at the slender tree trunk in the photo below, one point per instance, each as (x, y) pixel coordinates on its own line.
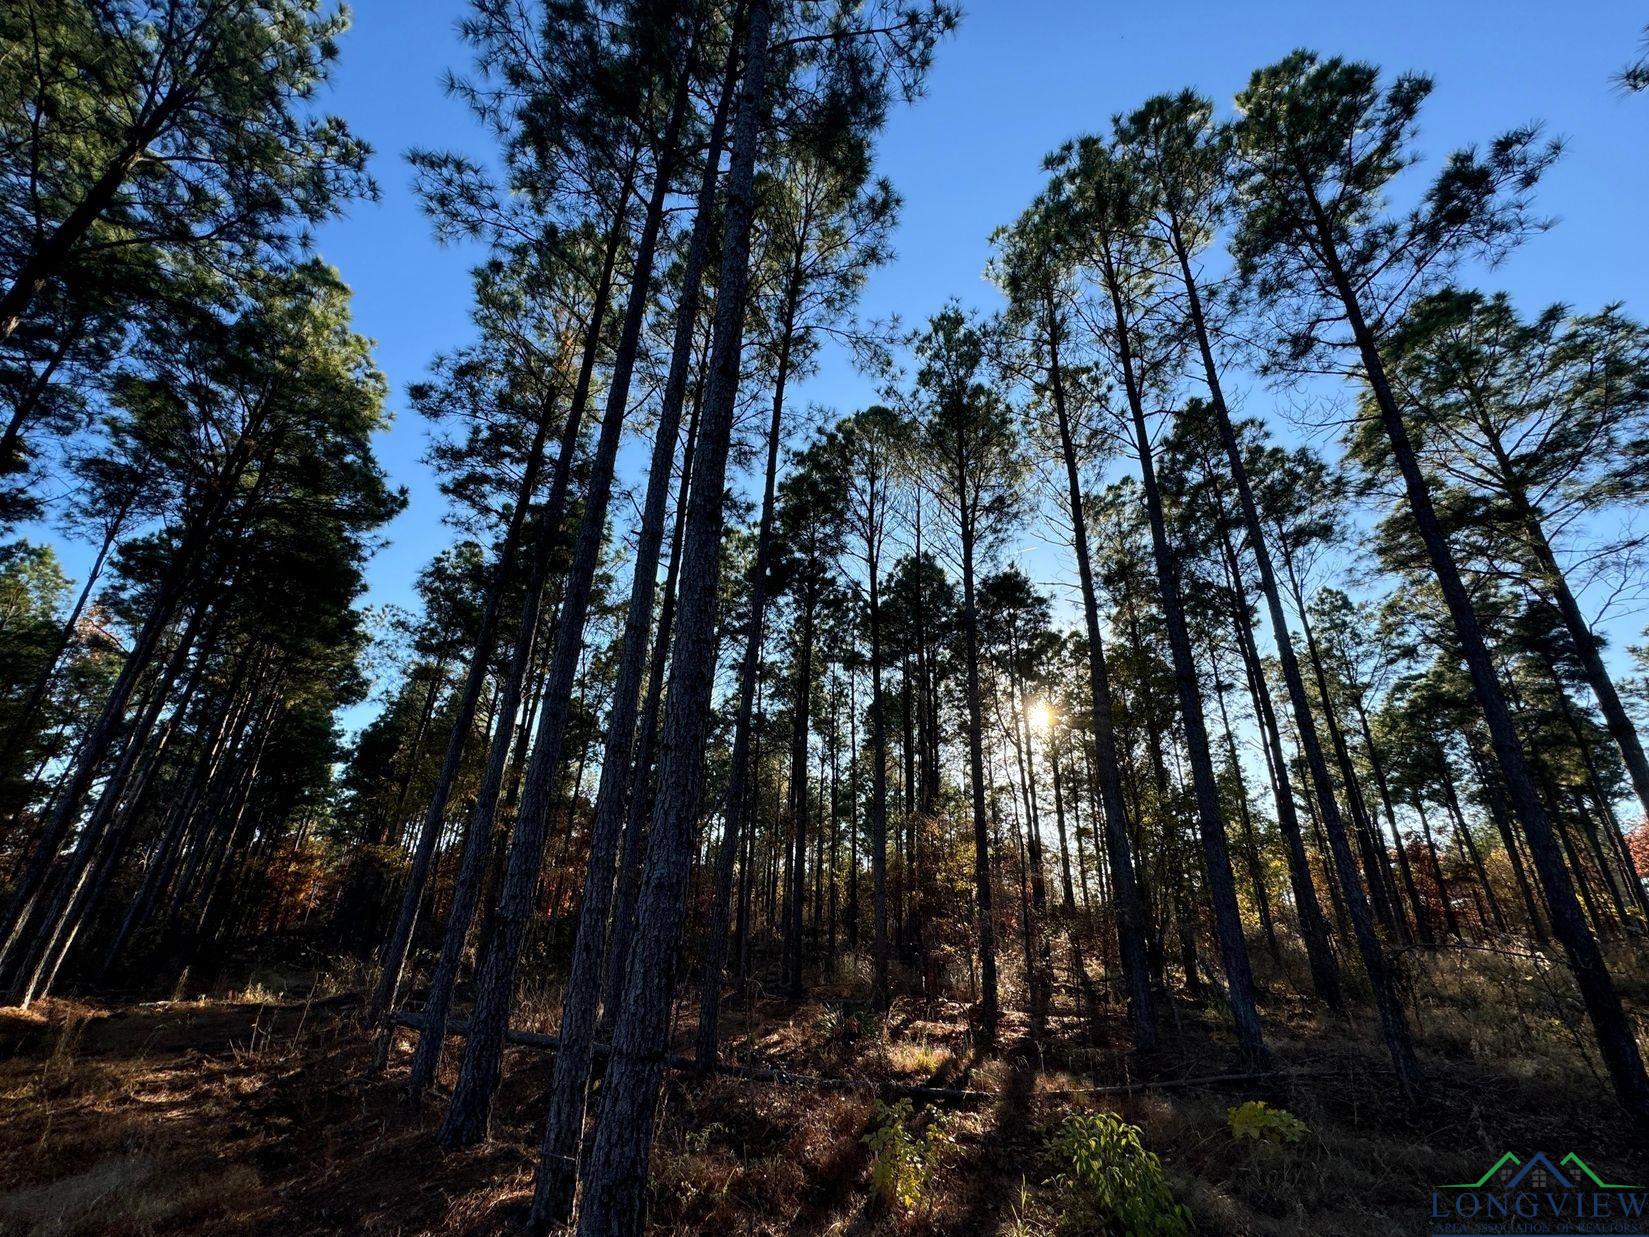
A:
(878, 780)
(48, 260)
(396, 825)
(169, 596)
(715, 947)
(1038, 1008)
(1615, 717)
(392, 960)
(1449, 920)
(1325, 971)
(800, 728)
(1130, 913)
(1385, 910)
(1508, 839)
(1251, 850)
(1616, 1037)
(638, 810)
(12, 458)
(1451, 801)
(1377, 766)
(470, 1109)
(614, 1178)
(42, 681)
(1617, 851)
(75, 885)
(915, 947)
(1067, 887)
(1039, 976)
(466, 888)
(1388, 1004)
(852, 811)
(220, 740)
(988, 1009)
(1221, 883)
(557, 1159)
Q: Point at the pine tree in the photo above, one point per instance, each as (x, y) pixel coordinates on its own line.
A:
(972, 465)
(1542, 424)
(1318, 143)
(177, 125)
(1126, 269)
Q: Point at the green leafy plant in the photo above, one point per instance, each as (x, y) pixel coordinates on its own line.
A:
(697, 1142)
(1258, 1121)
(903, 1157)
(1111, 1182)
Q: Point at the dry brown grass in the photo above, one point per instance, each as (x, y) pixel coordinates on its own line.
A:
(252, 1114)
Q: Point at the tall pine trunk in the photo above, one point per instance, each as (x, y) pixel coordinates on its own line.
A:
(800, 728)
(470, 1109)
(1616, 1036)
(466, 889)
(638, 811)
(614, 1178)
(1130, 913)
(1388, 1004)
(733, 813)
(392, 959)
(557, 1178)
(170, 593)
(878, 781)
(1222, 889)
(989, 1012)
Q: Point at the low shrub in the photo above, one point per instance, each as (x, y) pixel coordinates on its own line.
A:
(903, 1156)
(1110, 1182)
(1258, 1121)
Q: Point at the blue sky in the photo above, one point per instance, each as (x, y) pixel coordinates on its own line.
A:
(1019, 77)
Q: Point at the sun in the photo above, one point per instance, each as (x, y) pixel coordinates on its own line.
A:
(1040, 715)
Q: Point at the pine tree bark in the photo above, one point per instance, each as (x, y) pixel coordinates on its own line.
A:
(392, 959)
(466, 888)
(878, 775)
(470, 1109)
(800, 729)
(638, 811)
(557, 1178)
(1308, 911)
(77, 883)
(1552, 575)
(989, 1012)
(1221, 883)
(43, 680)
(169, 596)
(1251, 850)
(733, 812)
(614, 1178)
(1388, 1004)
(1404, 867)
(478, 833)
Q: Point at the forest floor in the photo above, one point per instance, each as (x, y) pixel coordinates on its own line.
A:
(252, 1112)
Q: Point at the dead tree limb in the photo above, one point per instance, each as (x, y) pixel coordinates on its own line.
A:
(937, 1095)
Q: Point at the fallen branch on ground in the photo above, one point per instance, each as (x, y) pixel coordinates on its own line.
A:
(938, 1095)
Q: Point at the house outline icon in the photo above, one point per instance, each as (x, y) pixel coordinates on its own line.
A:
(1540, 1160)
